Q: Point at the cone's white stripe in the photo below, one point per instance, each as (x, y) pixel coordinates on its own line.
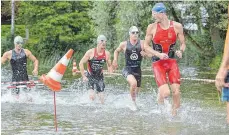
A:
(55, 75)
(64, 61)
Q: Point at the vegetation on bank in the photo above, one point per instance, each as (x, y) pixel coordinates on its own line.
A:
(54, 27)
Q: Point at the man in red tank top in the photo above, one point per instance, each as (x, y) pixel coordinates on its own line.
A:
(95, 59)
(163, 35)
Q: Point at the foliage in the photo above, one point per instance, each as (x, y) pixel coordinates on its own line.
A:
(57, 26)
(215, 64)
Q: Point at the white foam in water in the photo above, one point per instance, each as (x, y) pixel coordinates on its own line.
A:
(24, 97)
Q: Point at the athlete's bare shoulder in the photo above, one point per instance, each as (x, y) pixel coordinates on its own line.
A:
(90, 52)
(123, 44)
(27, 52)
(151, 27)
(177, 24)
(8, 53)
(178, 27)
(107, 52)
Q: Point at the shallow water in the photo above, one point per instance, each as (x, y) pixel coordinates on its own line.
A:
(33, 113)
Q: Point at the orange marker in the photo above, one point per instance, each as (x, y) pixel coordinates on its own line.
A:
(74, 67)
(53, 78)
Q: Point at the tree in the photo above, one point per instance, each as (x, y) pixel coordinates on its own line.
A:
(57, 26)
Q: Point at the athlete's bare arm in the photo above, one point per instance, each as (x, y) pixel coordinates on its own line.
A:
(34, 59)
(143, 52)
(180, 35)
(84, 60)
(222, 73)
(108, 59)
(120, 48)
(5, 57)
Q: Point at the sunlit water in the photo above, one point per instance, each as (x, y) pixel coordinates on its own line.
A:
(33, 112)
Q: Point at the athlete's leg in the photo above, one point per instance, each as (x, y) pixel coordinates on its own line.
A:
(174, 79)
(138, 77)
(160, 77)
(92, 94)
(163, 93)
(100, 86)
(133, 86)
(176, 98)
(101, 97)
(90, 87)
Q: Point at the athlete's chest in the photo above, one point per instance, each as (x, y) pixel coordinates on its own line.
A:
(165, 36)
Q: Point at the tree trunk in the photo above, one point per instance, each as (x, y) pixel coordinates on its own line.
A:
(12, 18)
(194, 43)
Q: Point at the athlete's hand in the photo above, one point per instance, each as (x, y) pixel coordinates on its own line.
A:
(85, 79)
(163, 56)
(220, 79)
(143, 53)
(179, 54)
(35, 72)
(115, 64)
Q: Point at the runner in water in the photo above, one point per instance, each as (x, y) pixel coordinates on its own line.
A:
(222, 77)
(18, 61)
(163, 34)
(133, 49)
(95, 59)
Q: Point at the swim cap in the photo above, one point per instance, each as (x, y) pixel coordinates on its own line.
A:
(18, 40)
(159, 8)
(101, 38)
(133, 29)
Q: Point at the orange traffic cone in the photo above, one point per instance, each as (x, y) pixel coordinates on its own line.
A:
(74, 68)
(53, 78)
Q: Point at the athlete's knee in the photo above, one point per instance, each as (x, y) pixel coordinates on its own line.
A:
(133, 84)
(176, 92)
(166, 93)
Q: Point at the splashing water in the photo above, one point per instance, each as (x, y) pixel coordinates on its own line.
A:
(32, 113)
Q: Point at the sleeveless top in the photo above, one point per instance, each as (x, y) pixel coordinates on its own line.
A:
(132, 54)
(95, 65)
(164, 41)
(18, 64)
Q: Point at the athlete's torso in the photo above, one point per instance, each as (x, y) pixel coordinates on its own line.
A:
(95, 65)
(132, 54)
(18, 63)
(164, 41)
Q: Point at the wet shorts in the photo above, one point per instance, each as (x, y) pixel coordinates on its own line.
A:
(15, 91)
(225, 90)
(162, 68)
(95, 82)
(136, 72)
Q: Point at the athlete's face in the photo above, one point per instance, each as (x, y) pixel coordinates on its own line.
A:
(102, 44)
(157, 16)
(18, 45)
(134, 35)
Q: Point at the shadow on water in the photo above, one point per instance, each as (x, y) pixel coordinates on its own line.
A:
(32, 113)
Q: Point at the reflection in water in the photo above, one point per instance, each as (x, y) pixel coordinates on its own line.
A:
(76, 114)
